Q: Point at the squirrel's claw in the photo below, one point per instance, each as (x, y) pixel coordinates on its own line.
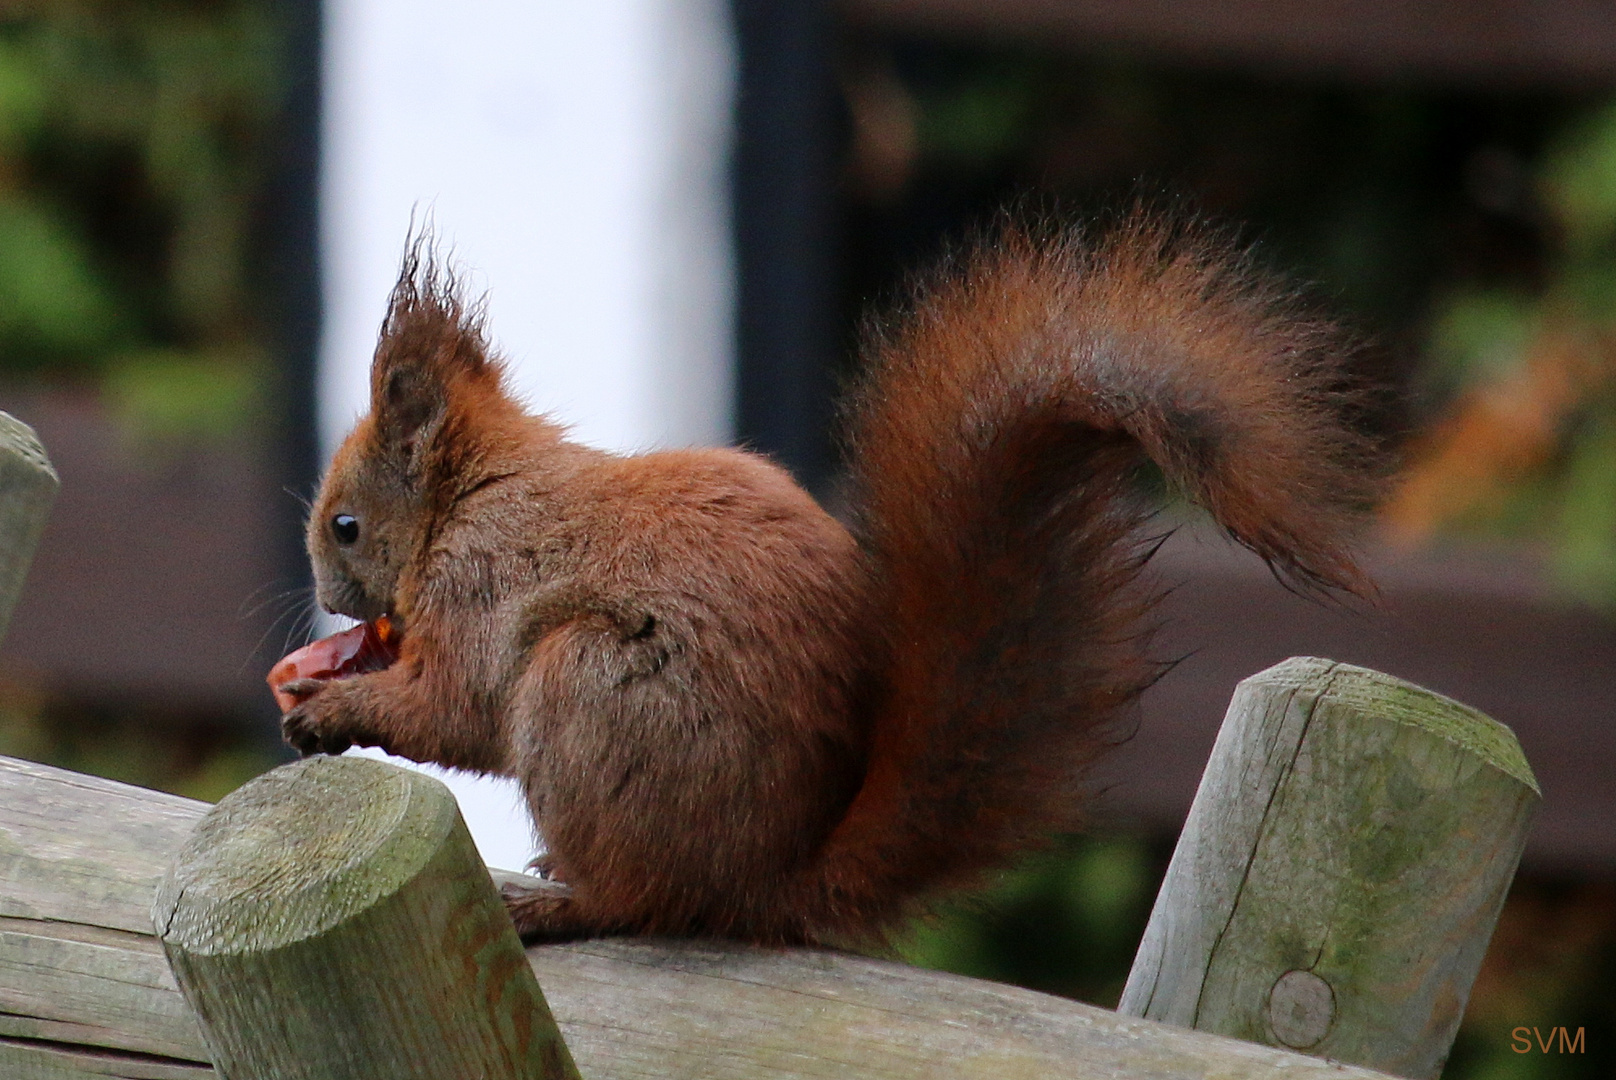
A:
(302, 730)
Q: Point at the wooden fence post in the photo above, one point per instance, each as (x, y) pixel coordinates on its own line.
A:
(1341, 870)
(27, 487)
(331, 918)
(85, 992)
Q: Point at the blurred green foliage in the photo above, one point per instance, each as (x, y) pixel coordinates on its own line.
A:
(1372, 191)
(1066, 921)
(133, 143)
(1469, 234)
(137, 742)
(135, 140)
(1547, 347)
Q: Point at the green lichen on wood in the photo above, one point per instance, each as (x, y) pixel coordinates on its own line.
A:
(1392, 699)
(331, 918)
(1341, 870)
(380, 830)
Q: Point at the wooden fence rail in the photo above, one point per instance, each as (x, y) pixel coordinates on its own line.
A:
(1333, 891)
(85, 990)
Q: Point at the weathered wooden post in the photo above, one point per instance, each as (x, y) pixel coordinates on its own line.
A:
(331, 918)
(85, 992)
(1341, 870)
(27, 488)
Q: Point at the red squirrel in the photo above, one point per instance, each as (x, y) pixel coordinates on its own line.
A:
(732, 714)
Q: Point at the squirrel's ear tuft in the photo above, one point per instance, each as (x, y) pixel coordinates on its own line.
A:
(431, 343)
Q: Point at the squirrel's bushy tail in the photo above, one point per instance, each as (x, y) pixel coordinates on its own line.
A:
(997, 444)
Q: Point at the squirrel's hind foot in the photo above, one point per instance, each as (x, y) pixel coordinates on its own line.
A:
(547, 913)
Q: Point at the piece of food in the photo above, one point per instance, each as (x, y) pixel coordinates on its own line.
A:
(367, 647)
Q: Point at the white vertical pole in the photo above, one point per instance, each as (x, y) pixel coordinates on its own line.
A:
(572, 158)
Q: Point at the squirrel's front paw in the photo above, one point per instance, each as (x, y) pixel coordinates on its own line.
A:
(311, 727)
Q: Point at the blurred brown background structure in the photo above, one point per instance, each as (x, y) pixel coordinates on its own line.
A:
(1564, 42)
(1442, 175)
(158, 310)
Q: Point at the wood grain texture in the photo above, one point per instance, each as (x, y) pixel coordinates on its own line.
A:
(28, 485)
(80, 860)
(94, 851)
(331, 918)
(23, 1060)
(1341, 870)
(635, 1009)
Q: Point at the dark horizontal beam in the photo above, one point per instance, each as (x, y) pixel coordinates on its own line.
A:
(1479, 627)
(1551, 42)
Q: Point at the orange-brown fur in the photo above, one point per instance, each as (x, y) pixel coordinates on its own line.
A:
(734, 716)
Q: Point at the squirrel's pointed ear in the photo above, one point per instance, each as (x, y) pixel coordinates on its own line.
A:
(431, 343)
(408, 404)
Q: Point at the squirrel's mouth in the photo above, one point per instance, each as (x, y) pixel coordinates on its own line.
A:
(370, 646)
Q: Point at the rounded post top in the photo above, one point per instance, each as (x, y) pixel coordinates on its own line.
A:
(1386, 697)
(299, 850)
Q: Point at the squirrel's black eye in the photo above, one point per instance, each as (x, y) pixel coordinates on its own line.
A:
(345, 527)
